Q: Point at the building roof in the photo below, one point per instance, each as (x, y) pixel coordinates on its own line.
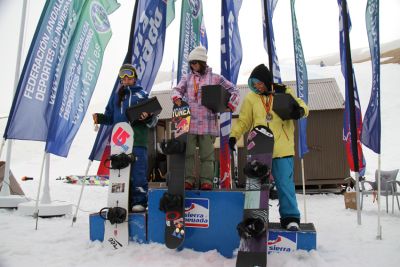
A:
(323, 94)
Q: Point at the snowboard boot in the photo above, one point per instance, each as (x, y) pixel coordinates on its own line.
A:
(189, 183)
(206, 184)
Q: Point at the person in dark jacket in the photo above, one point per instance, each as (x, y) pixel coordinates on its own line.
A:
(129, 94)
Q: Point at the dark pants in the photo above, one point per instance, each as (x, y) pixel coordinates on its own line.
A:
(139, 184)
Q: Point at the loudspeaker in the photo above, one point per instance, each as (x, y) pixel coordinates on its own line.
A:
(150, 105)
(215, 97)
(283, 105)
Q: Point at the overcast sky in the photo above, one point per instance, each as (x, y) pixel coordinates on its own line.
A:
(317, 22)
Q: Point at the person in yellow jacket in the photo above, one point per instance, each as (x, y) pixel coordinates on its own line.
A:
(257, 110)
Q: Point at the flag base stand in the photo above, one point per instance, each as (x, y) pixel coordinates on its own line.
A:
(11, 201)
(45, 210)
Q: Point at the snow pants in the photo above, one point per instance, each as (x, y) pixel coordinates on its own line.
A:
(282, 170)
(139, 185)
(206, 153)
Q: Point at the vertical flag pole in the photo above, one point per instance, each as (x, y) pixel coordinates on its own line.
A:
(16, 77)
(379, 235)
(35, 212)
(350, 90)
(80, 195)
(304, 190)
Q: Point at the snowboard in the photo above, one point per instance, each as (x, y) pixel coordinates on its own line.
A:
(116, 231)
(225, 179)
(173, 201)
(253, 229)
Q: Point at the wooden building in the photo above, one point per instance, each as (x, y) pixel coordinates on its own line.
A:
(325, 164)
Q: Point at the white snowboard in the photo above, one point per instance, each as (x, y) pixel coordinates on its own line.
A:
(117, 236)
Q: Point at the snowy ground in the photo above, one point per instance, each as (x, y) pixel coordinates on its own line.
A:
(340, 241)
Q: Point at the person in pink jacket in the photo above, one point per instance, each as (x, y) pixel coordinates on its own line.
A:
(203, 122)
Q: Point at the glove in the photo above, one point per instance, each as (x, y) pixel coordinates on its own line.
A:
(297, 113)
(232, 143)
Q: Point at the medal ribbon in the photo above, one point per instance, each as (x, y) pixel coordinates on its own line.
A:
(196, 87)
(266, 105)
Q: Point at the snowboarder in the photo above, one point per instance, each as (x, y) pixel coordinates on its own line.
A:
(129, 94)
(204, 123)
(257, 110)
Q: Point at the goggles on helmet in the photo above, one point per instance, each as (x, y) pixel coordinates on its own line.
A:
(126, 72)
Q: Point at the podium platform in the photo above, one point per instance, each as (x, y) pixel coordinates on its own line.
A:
(282, 240)
(211, 219)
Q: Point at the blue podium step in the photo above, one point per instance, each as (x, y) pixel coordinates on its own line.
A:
(211, 220)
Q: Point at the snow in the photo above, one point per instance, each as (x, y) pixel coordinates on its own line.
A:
(340, 241)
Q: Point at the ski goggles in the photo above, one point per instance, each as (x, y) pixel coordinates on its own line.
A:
(126, 72)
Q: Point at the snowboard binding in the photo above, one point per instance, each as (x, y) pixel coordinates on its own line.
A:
(256, 169)
(172, 146)
(251, 228)
(120, 161)
(170, 202)
(115, 215)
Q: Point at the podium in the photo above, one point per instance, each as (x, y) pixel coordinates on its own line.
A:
(211, 219)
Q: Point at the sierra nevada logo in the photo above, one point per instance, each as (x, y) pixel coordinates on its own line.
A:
(195, 7)
(281, 242)
(99, 18)
(197, 212)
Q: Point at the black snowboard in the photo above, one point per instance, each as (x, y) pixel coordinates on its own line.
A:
(253, 229)
(173, 201)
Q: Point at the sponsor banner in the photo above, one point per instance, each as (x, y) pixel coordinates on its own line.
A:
(39, 81)
(79, 75)
(269, 39)
(348, 74)
(301, 81)
(147, 47)
(191, 33)
(371, 132)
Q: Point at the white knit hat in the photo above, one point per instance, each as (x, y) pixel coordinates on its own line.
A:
(198, 53)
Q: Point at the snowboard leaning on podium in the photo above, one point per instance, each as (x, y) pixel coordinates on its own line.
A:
(173, 201)
(253, 228)
(116, 231)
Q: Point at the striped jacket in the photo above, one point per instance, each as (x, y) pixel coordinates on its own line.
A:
(203, 121)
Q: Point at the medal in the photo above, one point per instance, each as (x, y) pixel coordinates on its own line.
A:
(267, 106)
(269, 117)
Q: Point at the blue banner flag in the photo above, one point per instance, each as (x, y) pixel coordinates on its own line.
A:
(79, 76)
(145, 52)
(231, 45)
(192, 33)
(231, 59)
(269, 39)
(301, 80)
(38, 84)
(148, 41)
(371, 132)
(353, 146)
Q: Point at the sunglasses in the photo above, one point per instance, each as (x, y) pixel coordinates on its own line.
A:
(126, 72)
(194, 62)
